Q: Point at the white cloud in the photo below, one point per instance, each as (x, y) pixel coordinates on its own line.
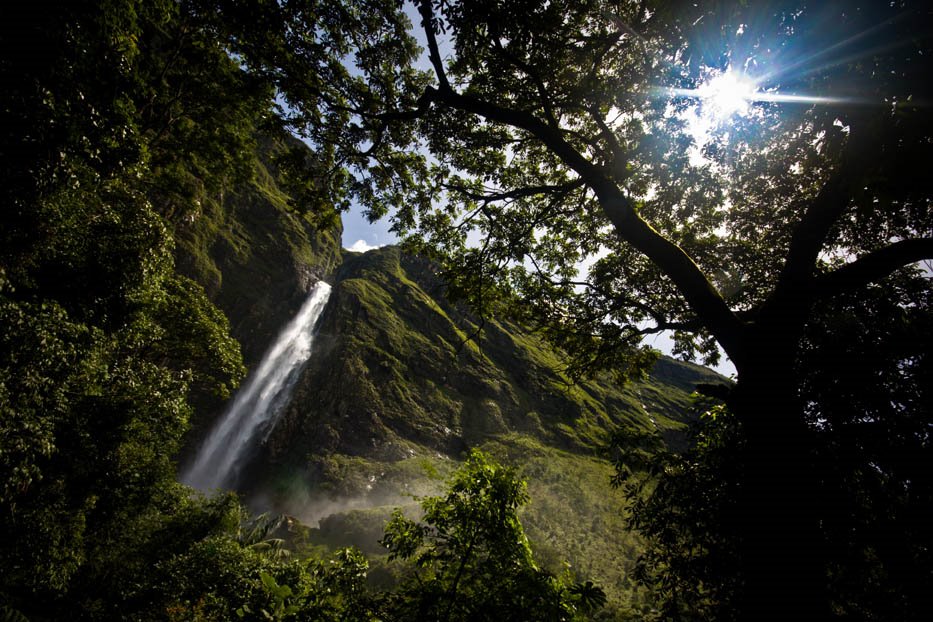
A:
(361, 246)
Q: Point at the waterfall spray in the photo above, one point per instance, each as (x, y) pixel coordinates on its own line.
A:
(259, 403)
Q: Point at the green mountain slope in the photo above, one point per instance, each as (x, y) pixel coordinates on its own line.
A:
(403, 382)
(397, 375)
(397, 391)
(255, 256)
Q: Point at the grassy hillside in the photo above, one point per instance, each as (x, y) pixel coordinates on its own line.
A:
(397, 375)
(398, 391)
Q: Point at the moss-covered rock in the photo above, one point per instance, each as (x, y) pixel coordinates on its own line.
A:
(256, 256)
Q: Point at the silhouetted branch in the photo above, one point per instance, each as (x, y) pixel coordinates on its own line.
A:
(874, 266)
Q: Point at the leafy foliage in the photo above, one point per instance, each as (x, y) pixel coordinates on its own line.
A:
(106, 349)
(870, 375)
(686, 507)
(471, 557)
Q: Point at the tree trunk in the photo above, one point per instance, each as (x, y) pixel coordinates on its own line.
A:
(780, 543)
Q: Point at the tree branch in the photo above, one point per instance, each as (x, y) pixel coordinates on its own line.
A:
(620, 302)
(535, 78)
(517, 193)
(874, 266)
(427, 24)
(423, 104)
(618, 153)
(698, 291)
(810, 234)
(696, 288)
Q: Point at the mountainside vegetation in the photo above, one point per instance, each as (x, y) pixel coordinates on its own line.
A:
(425, 374)
(404, 382)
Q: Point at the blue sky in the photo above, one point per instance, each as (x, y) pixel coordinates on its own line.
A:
(360, 235)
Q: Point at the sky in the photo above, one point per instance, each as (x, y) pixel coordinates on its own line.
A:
(360, 235)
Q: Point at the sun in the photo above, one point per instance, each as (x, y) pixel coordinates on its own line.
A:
(726, 94)
(710, 109)
(721, 96)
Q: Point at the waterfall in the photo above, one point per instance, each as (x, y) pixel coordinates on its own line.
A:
(259, 403)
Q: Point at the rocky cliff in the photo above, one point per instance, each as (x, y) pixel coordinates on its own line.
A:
(255, 255)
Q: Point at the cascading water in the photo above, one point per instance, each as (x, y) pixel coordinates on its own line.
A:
(260, 401)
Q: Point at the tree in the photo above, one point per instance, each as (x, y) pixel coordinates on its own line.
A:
(557, 136)
(471, 558)
(104, 348)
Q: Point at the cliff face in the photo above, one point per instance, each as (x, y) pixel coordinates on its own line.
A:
(256, 258)
(396, 374)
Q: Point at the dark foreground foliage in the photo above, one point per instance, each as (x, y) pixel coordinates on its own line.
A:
(876, 497)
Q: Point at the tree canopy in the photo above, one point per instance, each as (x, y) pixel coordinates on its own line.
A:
(550, 136)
